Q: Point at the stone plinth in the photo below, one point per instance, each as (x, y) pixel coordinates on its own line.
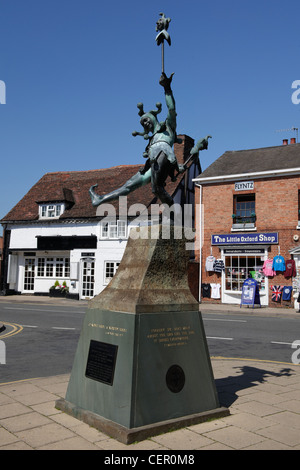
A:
(142, 365)
(152, 276)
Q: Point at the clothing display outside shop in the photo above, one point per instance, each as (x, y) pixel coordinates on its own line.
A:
(267, 268)
(219, 266)
(211, 291)
(284, 292)
(214, 265)
(209, 263)
(278, 263)
(276, 293)
(287, 293)
(206, 290)
(290, 268)
(238, 268)
(215, 291)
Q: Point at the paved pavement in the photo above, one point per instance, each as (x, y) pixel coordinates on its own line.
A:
(262, 396)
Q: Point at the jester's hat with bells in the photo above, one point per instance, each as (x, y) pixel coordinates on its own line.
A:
(157, 126)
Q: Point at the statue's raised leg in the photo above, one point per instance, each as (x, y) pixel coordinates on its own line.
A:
(136, 181)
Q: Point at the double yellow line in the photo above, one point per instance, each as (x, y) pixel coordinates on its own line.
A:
(15, 329)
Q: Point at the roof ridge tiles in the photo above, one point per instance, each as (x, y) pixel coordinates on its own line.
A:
(263, 148)
(93, 170)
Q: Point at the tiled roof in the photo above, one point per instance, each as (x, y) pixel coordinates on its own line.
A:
(250, 161)
(73, 188)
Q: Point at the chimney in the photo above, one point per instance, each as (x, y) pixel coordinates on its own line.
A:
(182, 151)
(285, 142)
(293, 140)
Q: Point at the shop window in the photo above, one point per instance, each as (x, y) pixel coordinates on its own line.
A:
(59, 267)
(244, 211)
(49, 267)
(67, 267)
(239, 268)
(41, 267)
(53, 267)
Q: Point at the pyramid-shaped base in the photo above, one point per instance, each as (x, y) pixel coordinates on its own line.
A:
(137, 375)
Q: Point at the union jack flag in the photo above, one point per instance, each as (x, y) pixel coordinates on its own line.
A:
(276, 293)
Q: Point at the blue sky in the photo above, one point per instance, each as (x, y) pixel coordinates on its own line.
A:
(75, 69)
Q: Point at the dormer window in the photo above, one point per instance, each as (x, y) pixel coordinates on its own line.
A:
(51, 211)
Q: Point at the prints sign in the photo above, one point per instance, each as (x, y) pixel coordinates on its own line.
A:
(250, 293)
(244, 186)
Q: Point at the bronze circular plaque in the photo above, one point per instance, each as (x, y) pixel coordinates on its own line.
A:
(175, 378)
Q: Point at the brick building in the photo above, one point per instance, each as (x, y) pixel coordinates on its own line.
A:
(1, 252)
(249, 207)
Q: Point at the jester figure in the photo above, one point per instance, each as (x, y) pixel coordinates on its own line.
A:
(161, 161)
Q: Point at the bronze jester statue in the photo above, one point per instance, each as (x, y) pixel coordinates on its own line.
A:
(161, 161)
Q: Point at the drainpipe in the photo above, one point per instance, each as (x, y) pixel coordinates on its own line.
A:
(3, 276)
(200, 241)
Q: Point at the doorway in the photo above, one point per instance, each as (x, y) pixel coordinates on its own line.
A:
(87, 278)
(29, 275)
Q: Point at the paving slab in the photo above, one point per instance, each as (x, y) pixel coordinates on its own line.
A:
(29, 419)
(234, 437)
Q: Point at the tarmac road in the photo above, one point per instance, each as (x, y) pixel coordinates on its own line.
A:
(40, 339)
(262, 396)
(248, 336)
(41, 334)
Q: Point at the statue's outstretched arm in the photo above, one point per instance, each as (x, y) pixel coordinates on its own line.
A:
(165, 82)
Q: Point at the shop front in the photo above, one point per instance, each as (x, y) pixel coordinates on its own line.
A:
(240, 265)
(242, 256)
(249, 206)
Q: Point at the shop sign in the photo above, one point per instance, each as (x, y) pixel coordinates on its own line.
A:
(245, 238)
(244, 186)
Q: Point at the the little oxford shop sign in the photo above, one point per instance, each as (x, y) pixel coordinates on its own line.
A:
(245, 239)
